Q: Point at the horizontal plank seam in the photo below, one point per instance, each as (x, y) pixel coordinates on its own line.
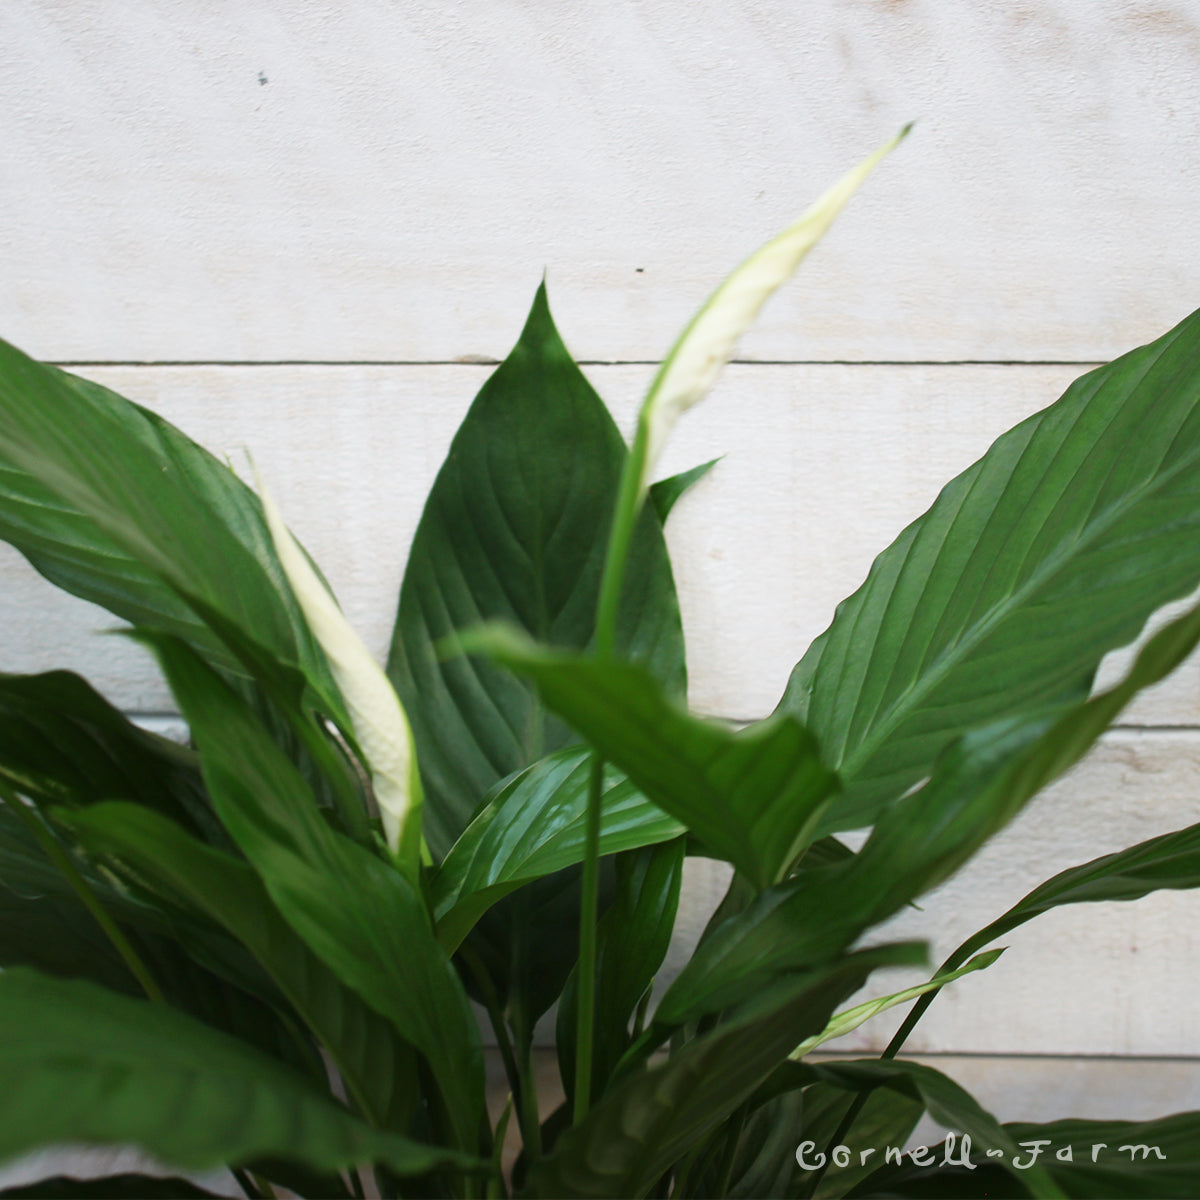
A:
(1016, 1054)
(483, 361)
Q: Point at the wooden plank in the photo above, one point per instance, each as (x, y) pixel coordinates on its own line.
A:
(281, 180)
(823, 466)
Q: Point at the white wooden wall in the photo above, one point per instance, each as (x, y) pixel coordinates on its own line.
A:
(298, 227)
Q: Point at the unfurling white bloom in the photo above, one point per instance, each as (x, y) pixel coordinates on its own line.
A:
(380, 726)
(704, 347)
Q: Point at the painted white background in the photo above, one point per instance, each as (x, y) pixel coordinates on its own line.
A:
(299, 226)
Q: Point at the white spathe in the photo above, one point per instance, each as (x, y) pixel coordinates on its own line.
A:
(707, 343)
(379, 723)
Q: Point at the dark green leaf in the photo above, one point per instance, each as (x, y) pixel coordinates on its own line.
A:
(112, 503)
(665, 493)
(649, 1121)
(1156, 1159)
(978, 785)
(534, 826)
(1169, 861)
(515, 527)
(631, 941)
(887, 1119)
(1050, 551)
(374, 1064)
(108, 1187)
(947, 1103)
(989, 774)
(359, 915)
(91, 1066)
(63, 743)
(752, 796)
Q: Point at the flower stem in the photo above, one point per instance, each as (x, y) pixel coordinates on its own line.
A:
(629, 502)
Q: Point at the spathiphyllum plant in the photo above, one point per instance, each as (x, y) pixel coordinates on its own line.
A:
(260, 950)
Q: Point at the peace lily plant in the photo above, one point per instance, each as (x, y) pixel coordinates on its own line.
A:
(261, 950)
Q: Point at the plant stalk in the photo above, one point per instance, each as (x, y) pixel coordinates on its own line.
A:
(588, 916)
(629, 502)
(55, 853)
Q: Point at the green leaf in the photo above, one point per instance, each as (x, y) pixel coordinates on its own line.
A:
(978, 784)
(665, 493)
(533, 826)
(1127, 1161)
(947, 1103)
(751, 796)
(359, 915)
(646, 1123)
(1050, 551)
(799, 925)
(1171, 860)
(63, 743)
(888, 1118)
(515, 528)
(91, 1066)
(982, 781)
(374, 1064)
(113, 504)
(108, 1187)
(631, 942)
(849, 1020)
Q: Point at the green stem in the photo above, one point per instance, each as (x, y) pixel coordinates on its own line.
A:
(629, 502)
(58, 856)
(588, 915)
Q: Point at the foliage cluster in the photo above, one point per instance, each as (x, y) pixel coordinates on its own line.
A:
(260, 950)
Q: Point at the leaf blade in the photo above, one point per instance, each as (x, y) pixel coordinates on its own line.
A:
(1051, 550)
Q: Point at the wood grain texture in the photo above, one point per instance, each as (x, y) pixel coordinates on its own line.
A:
(293, 180)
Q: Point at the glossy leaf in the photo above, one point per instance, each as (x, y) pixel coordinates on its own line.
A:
(946, 1102)
(646, 1123)
(360, 916)
(91, 1066)
(978, 784)
(515, 528)
(62, 742)
(113, 504)
(533, 827)
(376, 1067)
(1157, 1159)
(1050, 551)
(751, 796)
(631, 942)
(932, 832)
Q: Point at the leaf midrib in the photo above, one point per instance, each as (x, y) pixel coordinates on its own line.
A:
(905, 704)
